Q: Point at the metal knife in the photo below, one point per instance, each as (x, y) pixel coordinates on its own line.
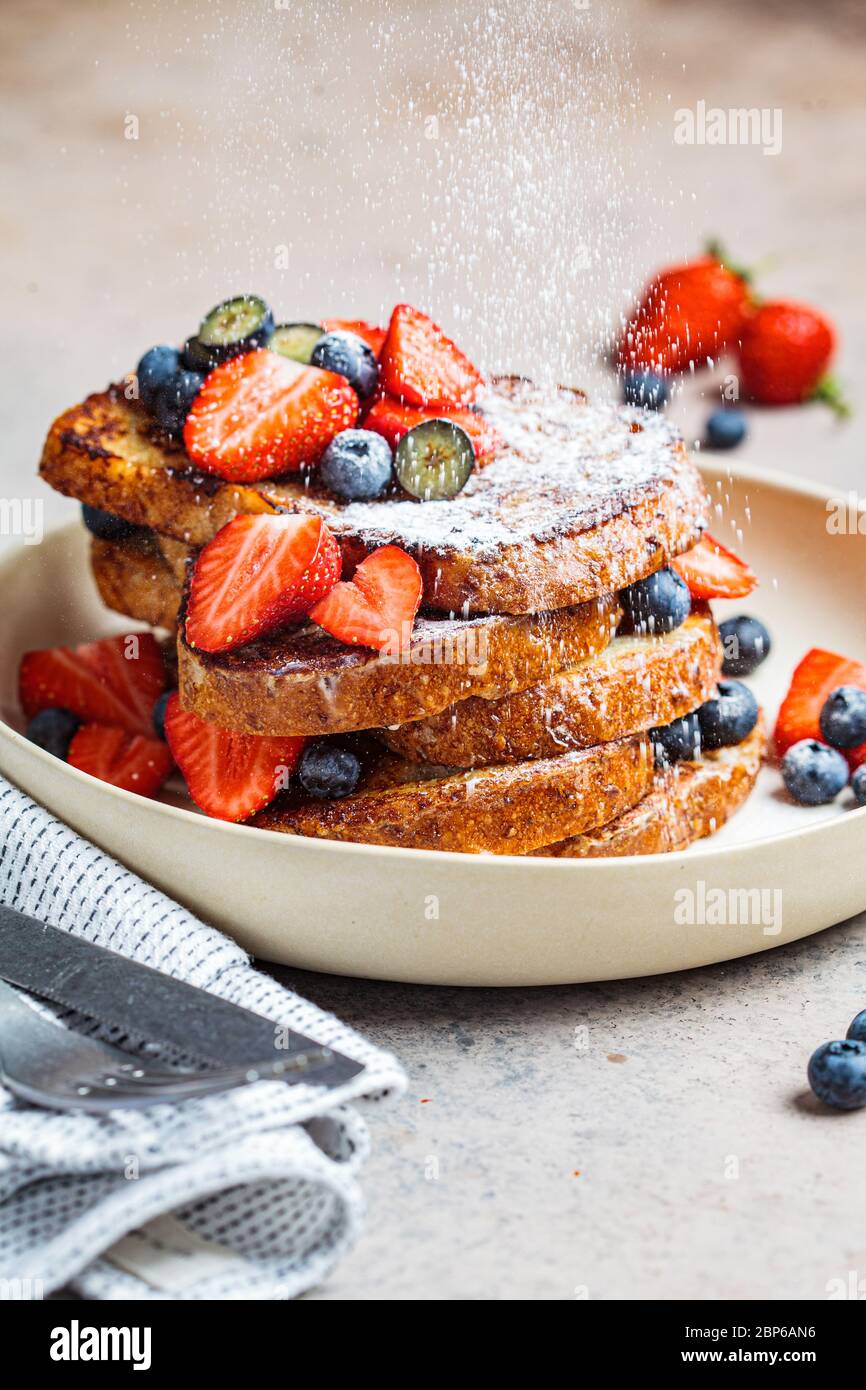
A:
(147, 1004)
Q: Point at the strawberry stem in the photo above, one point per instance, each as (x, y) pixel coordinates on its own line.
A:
(829, 392)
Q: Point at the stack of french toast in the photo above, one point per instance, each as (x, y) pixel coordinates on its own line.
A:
(410, 605)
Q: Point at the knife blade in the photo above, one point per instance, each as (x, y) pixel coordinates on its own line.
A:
(148, 1004)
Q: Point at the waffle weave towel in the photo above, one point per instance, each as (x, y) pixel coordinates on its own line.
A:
(253, 1194)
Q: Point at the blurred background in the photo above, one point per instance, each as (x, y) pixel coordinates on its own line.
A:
(511, 167)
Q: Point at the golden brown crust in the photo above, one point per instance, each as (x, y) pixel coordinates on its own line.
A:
(498, 810)
(582, 501)
(134, 578)
(636, 683)
(687, 803)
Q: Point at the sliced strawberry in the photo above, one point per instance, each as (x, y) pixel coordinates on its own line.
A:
(115, 681)
(256, 573)
(420, 365)
(125, 760)
(392, 419)
(370, 332)
(712, 571)
(230, 776)
(817, 674)
(377, 606)
(261, 414)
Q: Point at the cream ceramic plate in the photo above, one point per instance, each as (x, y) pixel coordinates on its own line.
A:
(461, 919)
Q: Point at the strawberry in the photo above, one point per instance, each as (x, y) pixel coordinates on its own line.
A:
(377, 606)
(420, 365)
(129, 761)
(712, 571)
(115, 681)
(260, 414)
(229, 775)
(259, 572)
(688, 313)
(816, 676)
(370, 332)
(784, 355)
(392, 419)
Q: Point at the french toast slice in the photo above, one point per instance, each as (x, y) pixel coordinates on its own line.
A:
(580, 501)
(687, 802)
(636, 683)
(510, 809)
(300, 680)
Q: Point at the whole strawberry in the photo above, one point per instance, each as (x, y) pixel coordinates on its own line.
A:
(785, 351)
(688, 313)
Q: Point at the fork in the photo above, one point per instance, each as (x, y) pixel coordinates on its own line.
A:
(47, 1064)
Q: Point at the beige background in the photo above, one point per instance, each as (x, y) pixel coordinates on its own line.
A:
(552, 188)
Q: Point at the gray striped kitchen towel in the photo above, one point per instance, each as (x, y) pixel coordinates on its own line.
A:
(249, 1195)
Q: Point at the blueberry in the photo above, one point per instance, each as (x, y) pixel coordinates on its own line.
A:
(156, 370)
(726, 429)
(105, 525)
(658, 603)
(645, 388)
(174, 400)
(327, 771)
(158, 716)
(678, 741)
(357, 464)
(351, 357)
(858, 785)
(729, 717)
(843, 717)
(857, 1028)
(746, 643)
(837, 1074)
(53, 730)
(813, 772)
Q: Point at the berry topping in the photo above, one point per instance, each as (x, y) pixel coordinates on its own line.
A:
(745, 642)
(295, 341)
(105, 525)
(235, 326)
(157, 368)
(816, 677)
(260, 415)
(726, 429)
(326, 771)
(129, 761)
(434, 461)
(837, 1074)
(158, 716)
(370, 332)
(858, 787)
(174, 401)
(656, 604)
(392, 419)
(357, 465)
(257, 573)
(646, 389)
(115, 681)
(729, 717)
(678, 741)
(348, 355)
(53, 729)
(712, 571)
(813, 772)
(229, 775)
(843, 717)
(420, 365)
(377, 606)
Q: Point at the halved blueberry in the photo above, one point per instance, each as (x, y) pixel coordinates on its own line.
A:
(659, 603)
(155, 370)
(349, 356)
(434, 461)
(295, 341)
(745, 642)
(106, 525)
(327, 771)
(843, 717)
(53, 729)
(196, 357)
(678, 741)
(813, 772)
(235, 326)
(357, 465)
(729, 717)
